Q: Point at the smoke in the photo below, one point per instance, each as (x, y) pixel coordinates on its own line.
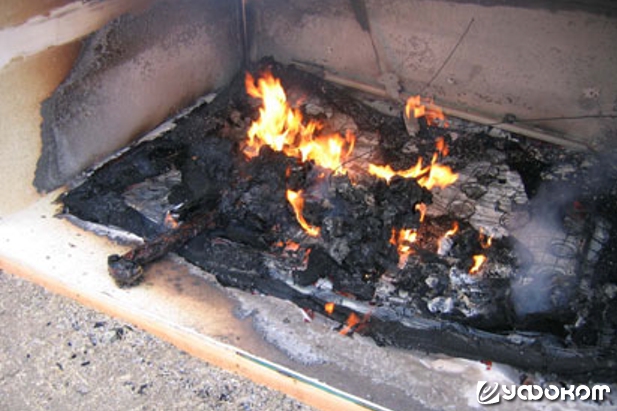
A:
(571, 206)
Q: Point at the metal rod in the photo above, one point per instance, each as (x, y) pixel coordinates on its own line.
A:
(378, 91)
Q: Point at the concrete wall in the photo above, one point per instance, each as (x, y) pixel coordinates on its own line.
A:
(533, 59)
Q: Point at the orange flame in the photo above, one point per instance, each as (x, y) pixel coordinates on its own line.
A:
(438, 176)
(485, 241)
(478, 262)
(421, 208)
(291, 246)
(441, 147)
(403, 240)
(352, 321)
(433, 175)
(448, 234)
(282, 128)
(452, 231)
(424, 107)
(297, 203)
(329, 307)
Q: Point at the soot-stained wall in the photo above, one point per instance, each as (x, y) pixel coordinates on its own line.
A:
(131, 75)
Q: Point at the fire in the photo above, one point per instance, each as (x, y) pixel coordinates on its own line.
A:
(485, 241)
(478, 262)
(329, 307)
(433, 175)
(403, 240)
(328, 151)
(441, 147)
(297, 202)
(352, 321)
(443, 245)
(452, 231)
(421, 208)
(288, 245)
(292, 246)
(438, 176)
(282, 128)
(424, 107)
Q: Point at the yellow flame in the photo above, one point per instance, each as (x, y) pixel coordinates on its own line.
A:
(329, 307)
(421, 208)
(478, 262)
(424, 107)
(485, 241)
(282, 128)
(448, 234)
(297, 203)
(433, 175)
(403, 239)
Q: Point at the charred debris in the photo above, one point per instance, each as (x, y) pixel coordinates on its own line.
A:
(389, 256)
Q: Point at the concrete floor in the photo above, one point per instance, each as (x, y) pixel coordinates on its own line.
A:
(57, 355)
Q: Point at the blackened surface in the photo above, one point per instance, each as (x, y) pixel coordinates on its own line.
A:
(320, 264)
(80, 124)
(431, 303)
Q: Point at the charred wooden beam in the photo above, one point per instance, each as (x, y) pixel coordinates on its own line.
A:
(128, 269)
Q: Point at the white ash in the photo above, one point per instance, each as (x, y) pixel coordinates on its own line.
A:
(432, 281)
(411, 125)
(441, 305)
(445, 245)
(483, 194)
(277, 321)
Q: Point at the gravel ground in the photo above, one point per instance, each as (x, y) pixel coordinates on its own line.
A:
(58, 355)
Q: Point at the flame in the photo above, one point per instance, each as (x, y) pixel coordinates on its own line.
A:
(329, 307)
(421, 208)
(424, 107)
(441, 147)
(433, 175)
(438, 174)
(352, 321)
(485, 242)
(297, 202)
(478, 262)
(282, 128)
(291, 246)
(406, 237)
(328, 151)
(403, 240)
(355, 323)
(452, 231)
(448, 234)
(288, 245)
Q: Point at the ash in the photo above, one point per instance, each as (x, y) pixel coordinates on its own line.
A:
(543, 219)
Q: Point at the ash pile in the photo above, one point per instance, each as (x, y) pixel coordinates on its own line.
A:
(420, 231)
